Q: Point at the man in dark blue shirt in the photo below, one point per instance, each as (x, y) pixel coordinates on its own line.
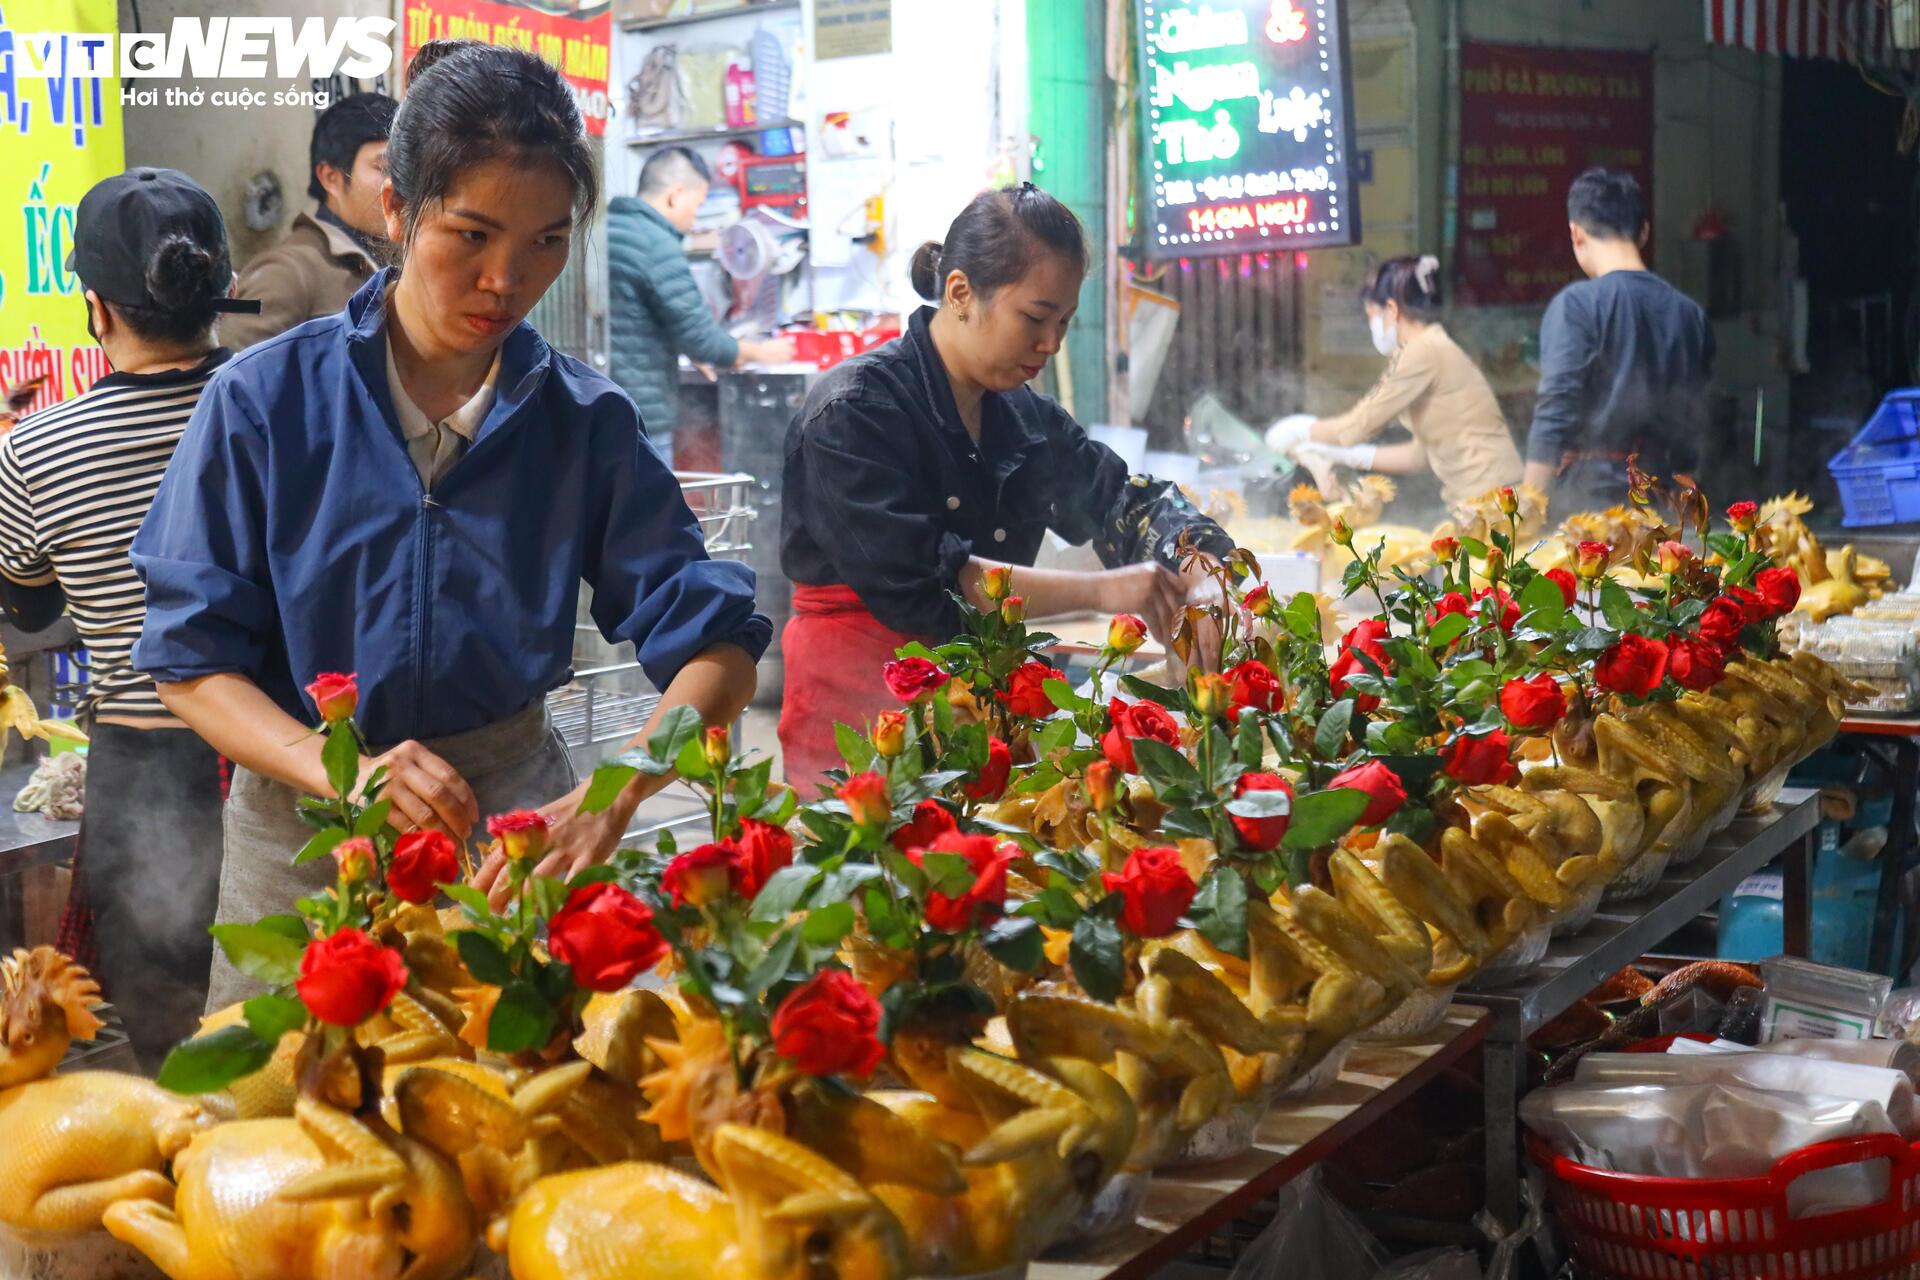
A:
(1625, 359)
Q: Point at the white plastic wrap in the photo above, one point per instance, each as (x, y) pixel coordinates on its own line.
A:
(1312, 1237)
(1890, 1090)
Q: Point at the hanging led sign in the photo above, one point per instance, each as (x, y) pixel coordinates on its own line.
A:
(1247, 126)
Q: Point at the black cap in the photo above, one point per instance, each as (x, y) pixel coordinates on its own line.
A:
(121, 223)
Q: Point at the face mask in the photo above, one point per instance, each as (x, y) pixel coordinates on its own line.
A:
(1386, 339)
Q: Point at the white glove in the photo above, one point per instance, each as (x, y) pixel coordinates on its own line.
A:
(1357, 456)
(1290, 432)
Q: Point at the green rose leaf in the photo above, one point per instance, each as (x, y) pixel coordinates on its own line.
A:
(854, 748)
(1164, 766)
(605, 787)
(1061, 694)
(1447, 630)
(678, 726)
(1333, 728)
(272, 1016)
(1321, 817)
(483, 957)
(1015, 942)
(322, 844)
(213, 1061)
(372, 818)
(782, 891)
(521, 1020)
(1219, 911)
(341, 756)
(691, 760)
(1097, 958)
(826, 925)
(261, 952)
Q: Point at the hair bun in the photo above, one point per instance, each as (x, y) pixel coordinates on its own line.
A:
(180, 273)
(925, 271)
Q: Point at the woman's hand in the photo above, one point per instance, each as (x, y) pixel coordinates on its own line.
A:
(1148, 590)
(426, 791)
(575, 841)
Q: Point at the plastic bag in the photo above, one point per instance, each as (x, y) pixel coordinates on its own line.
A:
(1312, 1237)
(1434, 1264)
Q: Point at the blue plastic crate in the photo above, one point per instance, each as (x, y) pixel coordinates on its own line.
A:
(1879, 471)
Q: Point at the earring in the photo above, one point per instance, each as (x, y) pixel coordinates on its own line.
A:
(961, 316)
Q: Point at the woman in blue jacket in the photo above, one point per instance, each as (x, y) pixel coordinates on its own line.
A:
(413, 490)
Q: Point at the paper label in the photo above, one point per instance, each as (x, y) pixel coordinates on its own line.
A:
(1764, 884)
(1786, 1021)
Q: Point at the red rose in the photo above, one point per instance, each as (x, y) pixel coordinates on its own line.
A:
(1125, 633)
(992, 780)
(606, 935)
(1752, 607)
(1157, 890)
(1509, 609)
(1366, 637)
(1720, 625)
(422, 862)
(1384, 791)
(1255, 685)
(865, 795)
(1741, 516)
(1344, 668)
(981, 904)
(1136, 720)
(1694, 664)
(1261, 834)
(348, 977)
(703, 874)
(930, 821)
(1634, 666)
(355, 855)
(1025, 696)
(1452, 602)
(829, 1025)
(522, 833)
(911, 679)
(1363, 639)
(1779, 587)
(334, 695)
(764, 849)
(1535, 703)
(1260, 602)
(1569, 586)
(1476, 762)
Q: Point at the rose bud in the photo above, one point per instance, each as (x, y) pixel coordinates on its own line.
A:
(1026, 693)
(522, 833)
(718, 747)
(1675, 556)
(1103, 783)
(865, 795)
(1569, 589)
(1780, 588)
(890, 733)
(355, 856)
(991, 783)
(1535, 703)
(1210, 693)
(1479, 762)
(911, 679)
(1445, 549)
(1509, 609)
(1591, 560)
(1496, 563)
(764, 849)
(347, 977)
(1634, 666)
(605, 935)
(1156, 889)
(1451, 602)
(422, 862)
(1260, 602)
(997, 582)
(1509, 504)
(702, 875)
(929, 822)
(1382, 786)
(1261, 834)
(1341, 532)
(334, 695)
(1013, 609)
(829, 1025)
(1743, 516)
(1125, 633)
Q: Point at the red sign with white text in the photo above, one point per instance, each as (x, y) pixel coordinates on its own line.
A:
(1532, 120)
(579, 46)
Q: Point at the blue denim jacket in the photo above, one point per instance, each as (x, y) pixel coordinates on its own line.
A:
(292, 535)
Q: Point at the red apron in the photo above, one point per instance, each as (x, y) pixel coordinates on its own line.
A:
(833, 650)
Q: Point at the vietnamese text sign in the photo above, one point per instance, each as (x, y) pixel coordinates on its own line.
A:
(579, 47)
(1247, 125)
(1531, 120)
(59, 134)
(851, 28)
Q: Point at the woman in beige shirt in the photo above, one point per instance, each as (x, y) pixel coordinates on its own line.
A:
(1429, 383)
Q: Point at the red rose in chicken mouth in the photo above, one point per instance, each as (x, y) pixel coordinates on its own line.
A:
(605, 935)
(1382, 786)
(1479, 762)
(1634, 666)
(347, 977)
(1535, 703)
(1722, 622)
(422, 862)
(1694, 664)
(829, 1025)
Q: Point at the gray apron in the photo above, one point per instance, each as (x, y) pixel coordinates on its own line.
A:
(518, 763)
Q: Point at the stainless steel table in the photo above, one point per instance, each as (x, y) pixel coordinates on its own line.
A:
(1620, 934)
(27, 840)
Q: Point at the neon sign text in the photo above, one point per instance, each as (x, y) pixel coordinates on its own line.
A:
(1197, 30)
(1251, 215)
(1190, 142)
(1297, 113)
(1199, 88)
(1286, 24)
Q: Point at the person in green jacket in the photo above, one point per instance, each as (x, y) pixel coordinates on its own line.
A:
(656, 312)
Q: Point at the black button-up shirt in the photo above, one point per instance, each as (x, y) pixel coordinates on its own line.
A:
(887, 494)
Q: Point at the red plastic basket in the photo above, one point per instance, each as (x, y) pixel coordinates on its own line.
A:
(1624, 1226)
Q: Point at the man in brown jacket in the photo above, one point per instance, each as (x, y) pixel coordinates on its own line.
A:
(329, 253)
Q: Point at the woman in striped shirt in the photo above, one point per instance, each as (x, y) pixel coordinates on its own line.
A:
(76, 480)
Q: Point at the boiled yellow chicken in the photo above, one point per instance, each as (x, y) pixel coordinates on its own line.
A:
(781, 1212)
(18, 713)
(1402, 545)
(1831, 582)
(320, 1196)
(1839, 589)
(71, 1145)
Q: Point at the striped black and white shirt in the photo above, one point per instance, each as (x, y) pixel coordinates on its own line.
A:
(75, 482)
